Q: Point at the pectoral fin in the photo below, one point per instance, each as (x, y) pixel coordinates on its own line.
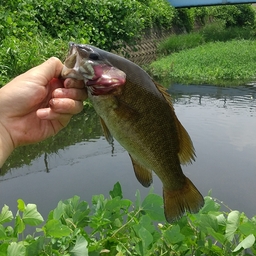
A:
(143, 175)
(106, 132)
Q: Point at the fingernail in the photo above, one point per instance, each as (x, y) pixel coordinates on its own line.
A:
(68, 83)
(52, 102)
(58, 92)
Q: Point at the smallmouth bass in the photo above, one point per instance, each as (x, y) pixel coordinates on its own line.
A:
(139, 114)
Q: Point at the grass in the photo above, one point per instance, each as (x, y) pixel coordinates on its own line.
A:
(17, 56)
(219, 63)
(214, 55)
(177, 43)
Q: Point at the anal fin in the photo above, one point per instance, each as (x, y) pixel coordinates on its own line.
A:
(143, 175)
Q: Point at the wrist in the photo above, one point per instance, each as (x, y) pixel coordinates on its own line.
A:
(6, 145)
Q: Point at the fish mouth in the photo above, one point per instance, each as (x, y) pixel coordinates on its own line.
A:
(85, 63)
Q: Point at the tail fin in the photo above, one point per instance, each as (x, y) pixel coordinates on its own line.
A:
(177, 202)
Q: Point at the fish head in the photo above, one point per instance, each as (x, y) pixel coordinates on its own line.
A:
(88, 64)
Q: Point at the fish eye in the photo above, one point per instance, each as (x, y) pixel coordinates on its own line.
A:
(94, 56)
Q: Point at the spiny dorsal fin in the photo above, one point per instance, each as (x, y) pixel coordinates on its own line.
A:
(186, 149)
(143, 175)
(106, 132)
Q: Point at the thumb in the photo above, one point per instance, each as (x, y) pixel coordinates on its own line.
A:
(46, 71)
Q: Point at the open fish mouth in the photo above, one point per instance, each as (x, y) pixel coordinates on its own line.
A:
(83, 63)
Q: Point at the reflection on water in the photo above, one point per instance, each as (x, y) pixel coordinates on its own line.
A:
(221, 122)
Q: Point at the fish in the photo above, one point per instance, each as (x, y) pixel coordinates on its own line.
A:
(138, 112)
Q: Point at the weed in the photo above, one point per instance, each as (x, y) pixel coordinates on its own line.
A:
(118, 226)
(219, 63)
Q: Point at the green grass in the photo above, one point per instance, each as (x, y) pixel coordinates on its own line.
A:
(219, 63)
(177, 43)
(19, 55)
(217, 31)
(212, 32)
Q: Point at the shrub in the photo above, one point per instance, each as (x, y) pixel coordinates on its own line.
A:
(184, 19)
(201, 15)
(17, 56)
(17, 20)
(106, 24)
(157, 13)
(102, 23)
(217, 31)
(27, 26)
(234, 15)
(177, 43)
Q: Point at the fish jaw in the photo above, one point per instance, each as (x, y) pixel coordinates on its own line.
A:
(84, 63)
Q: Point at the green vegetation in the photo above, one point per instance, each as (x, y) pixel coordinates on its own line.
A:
(221, 53)
(212, 32)
(242, 15)
(31, 31)
(229, 63)
(117, 226)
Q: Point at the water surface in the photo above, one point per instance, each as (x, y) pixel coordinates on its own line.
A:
(79, 161)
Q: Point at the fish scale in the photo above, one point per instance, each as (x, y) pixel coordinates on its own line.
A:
(139, 114)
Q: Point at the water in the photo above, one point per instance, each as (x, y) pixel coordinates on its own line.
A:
(79, 161)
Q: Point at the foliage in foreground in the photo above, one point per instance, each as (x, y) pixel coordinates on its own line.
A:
(117, 226)
(219, 63)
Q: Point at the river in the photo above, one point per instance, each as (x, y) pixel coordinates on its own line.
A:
(79, 161)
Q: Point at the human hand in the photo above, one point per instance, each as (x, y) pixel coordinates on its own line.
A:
(37, 105)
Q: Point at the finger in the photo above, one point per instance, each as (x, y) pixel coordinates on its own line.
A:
(72, 93)
(49, 114)
(73, 83)
(66, 105)
(52, 66)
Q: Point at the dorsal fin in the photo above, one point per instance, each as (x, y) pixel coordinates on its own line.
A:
(186, 149)
(143, 175)
(187, 152)
(106, 132)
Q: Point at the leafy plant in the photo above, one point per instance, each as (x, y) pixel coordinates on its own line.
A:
(31, 31)
(118, 226)
(180, 42)
(217, 31)
(185, 19)
(212, 63)
(19, 55)
(234, 15)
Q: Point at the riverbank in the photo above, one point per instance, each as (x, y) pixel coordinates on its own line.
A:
(199, 60)
(220, 63)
